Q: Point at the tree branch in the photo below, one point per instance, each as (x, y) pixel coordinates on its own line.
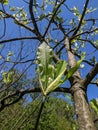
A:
(22, 92)
(91, 75)
(17, 39)
(86, 40)
(33, 21)
(83, 14)
(18, 22)
(85, 32)
(53, 17)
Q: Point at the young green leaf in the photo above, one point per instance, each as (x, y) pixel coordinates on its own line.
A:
(45, 68)
(8, 77)
(94, 105)
(61, 68)
(74, 69)
(4, 1)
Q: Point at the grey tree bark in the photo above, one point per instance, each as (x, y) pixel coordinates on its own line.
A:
(78, 89)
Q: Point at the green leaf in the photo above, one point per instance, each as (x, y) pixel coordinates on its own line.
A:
(61, 68)
(59, 19)
(42, 16)
(8, 77)
(13, 9)
(44, 57)
(47, 1)
(74, 69)
(50, 75)
(95, 43)
(72, 22)
(93, 60)
(68, 96)
(10, 53)
(0, 15)
(75, 11)
(4, 1)
(91, 10)
(94, 105)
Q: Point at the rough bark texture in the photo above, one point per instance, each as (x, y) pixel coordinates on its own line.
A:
(84, 116)
(83, 112)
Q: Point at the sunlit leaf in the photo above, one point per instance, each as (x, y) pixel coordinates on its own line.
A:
(42, 16)
(10, 53)
(60, 67)
(50, 75)
(8, 77)
(4, 1)
(13, 9)
(94, 105)
(91, 10)
(93, 60)
(44, 57)
(74, 69)
(57, 81)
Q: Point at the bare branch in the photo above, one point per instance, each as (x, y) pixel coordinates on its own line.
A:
(85, 32)
(91, 75)
(59, 26)
(33, 21)
(18, 22)
(22, 92)
(4, 24)
(17, 39)
(86, 40)
(53, 17)
(83, 14)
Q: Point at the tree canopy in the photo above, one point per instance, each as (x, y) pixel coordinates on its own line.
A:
(49, 49)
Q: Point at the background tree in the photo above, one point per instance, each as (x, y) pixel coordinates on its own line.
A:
(52, 117)
(69, 29)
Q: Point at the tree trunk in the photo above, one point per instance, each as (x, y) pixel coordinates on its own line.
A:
(84, 116)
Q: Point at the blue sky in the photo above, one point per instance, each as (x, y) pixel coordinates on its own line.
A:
(14, 31)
